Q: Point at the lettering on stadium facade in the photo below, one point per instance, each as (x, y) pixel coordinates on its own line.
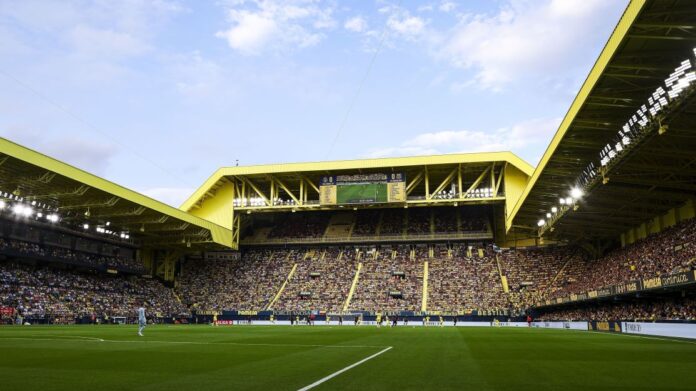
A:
(628, 287)
(675, 279)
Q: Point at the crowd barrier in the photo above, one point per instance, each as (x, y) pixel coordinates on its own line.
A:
(679, 330)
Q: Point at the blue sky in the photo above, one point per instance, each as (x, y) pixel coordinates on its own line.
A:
(156, 95)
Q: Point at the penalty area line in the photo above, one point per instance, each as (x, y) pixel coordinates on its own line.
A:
(349, 367)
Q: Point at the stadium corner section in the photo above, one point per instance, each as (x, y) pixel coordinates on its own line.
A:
(87, 194)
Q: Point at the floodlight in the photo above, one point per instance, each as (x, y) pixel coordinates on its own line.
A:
(86, 226)
(541, 222)
(548, 215)
(561, 201)
(576, 193)
(569, 200)
(18, 209)
(554, 209)
(2, 204)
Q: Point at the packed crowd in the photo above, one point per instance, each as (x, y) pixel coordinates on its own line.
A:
(249, 283)
(667, 252)
(530, 272)
(392, 222)
(301, 225)
(460, 280)
(445, 220)
(365, 222)
(644, 310)
(11, 246)
(62, 296)
(383, 223)
(321, 280)
(418, 221)
(390, 280)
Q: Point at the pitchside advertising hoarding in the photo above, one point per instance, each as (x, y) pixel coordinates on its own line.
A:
(362, 189)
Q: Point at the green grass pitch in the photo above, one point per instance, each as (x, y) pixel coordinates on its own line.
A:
(353, 194)
(290, 358)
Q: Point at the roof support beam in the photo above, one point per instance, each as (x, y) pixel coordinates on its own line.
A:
(664, 37)
(443, 184)
(106, 203)
(256, 190)
(478, 181)
(290, 193)
(414, 182)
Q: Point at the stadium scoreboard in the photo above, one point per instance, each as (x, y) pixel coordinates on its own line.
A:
(362, 189)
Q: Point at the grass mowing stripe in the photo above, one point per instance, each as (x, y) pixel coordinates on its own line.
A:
(91, 339)
(331, 376)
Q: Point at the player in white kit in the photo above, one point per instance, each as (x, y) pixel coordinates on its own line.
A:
(142, 321)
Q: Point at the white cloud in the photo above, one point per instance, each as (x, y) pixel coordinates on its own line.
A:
(279, 24)
(174, 196)
(250, 33)
(526, 39)
(527, 138)
(447, 6)
(356, 24)
(94, 28)
(406, 25)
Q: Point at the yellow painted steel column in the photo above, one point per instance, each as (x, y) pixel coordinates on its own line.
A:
(424, 303)
(352, 288)
(282, 287)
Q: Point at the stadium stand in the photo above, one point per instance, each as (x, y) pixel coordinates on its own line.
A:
(670, 251)
(530, 272)
(247, 284)
(647, 310)
(48, 295)
(302, 225)
(390, 281)
(321, 281)
(462, 282)
(463, 278)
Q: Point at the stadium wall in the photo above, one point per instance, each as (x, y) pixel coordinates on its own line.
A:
(659, 223)
(678, 330)
(217, 209)
(515, 183)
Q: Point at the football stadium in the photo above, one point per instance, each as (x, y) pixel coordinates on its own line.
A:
(469, 271)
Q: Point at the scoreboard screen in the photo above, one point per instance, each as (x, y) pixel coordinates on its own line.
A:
(362, 189)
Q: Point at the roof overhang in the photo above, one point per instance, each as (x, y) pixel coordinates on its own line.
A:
(81, 197)
(313, 170)
(651, 39)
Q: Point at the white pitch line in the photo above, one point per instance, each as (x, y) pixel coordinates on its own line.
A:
(669, 339)
(94, 339)
(67, 339)
(655, 337)
(243, 344)
(349, 367)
